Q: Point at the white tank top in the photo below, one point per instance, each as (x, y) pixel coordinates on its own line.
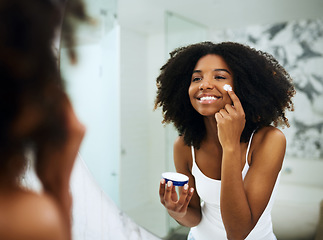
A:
(211, 226)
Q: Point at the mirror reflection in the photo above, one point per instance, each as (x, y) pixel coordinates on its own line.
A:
(113, 88)
(97, 70)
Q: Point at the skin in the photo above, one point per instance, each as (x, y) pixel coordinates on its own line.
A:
(46, 215)
(30, 216)
(27, 60)
(55, 174)
(222, 156)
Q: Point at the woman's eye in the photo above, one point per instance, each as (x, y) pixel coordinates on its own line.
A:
(196, 79)
(219, 77)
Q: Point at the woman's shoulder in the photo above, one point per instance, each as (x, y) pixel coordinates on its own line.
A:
(179, 142)
(180, 145)
(269, 143)
(182, 153)
(25, 213)
(268, 134)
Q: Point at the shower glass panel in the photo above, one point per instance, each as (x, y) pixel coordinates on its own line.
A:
(179, 32)
(93, 85)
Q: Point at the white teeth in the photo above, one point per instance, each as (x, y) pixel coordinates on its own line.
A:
(207, 98)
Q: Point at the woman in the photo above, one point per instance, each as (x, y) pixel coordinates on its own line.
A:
(37, 117)
(225, 101)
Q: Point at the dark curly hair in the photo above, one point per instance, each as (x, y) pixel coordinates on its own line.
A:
(32, 91)
(263, 86)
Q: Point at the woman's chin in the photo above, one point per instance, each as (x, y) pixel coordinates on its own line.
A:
(208, 114)
(208, 111)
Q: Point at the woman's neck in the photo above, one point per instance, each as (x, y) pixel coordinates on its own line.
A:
(211, 130)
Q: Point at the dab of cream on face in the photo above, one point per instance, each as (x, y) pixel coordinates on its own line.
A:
(227, 87)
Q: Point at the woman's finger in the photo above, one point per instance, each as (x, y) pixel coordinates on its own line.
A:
(224, 113)
(188, 198)
(236, 102)
(218, 117)
(229, 108)
(168, 193)
(162, 191)
(185, 198)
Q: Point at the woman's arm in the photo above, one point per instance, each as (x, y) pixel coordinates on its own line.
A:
(186, 210)
(243, 202)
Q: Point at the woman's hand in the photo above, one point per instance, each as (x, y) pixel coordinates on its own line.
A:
(177, 208)
(230, 121)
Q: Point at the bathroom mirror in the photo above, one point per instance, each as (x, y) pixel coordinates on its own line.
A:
(93, 85)
(112, 87)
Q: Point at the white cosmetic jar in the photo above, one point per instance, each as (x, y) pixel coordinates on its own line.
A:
(178, 179)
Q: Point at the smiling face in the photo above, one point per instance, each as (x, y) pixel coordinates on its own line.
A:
(206, 91)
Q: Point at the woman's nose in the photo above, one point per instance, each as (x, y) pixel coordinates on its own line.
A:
(206, 84)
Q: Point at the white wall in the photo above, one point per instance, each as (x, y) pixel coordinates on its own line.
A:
(143, 137)
(93, 85)
(134, 120)
(156, 147)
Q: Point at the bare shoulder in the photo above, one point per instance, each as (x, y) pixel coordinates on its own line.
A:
(180, 144)
(270, 137)
(270, 146)
(182, 154)
(271, 133)
(30, 214)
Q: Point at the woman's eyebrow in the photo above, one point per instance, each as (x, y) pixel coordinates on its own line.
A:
(217, 70)
(222, 70)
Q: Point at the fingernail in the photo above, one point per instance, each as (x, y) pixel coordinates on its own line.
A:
(185, 186)
(192, 189)
(169, 183)
(162, 181)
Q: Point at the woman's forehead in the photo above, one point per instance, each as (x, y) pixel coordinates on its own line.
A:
(211, 62)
